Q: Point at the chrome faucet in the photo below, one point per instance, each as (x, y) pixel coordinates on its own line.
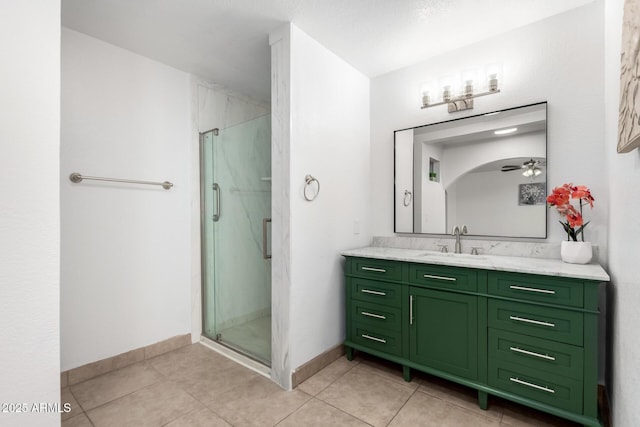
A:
(459, 232)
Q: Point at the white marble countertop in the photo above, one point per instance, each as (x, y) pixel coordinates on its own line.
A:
(547, 267)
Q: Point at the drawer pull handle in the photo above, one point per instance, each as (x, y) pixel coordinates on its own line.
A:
(535, 322)
(430, 276)
(532, 353)
(377, 316)
(368, 291)
(377, 270)
(410, 309)
(369, 337)
(536, 386)
(540, 291)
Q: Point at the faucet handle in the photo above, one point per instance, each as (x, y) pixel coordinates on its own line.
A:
(443, 248)
(474, 250)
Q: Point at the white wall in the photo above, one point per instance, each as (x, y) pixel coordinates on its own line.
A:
(29, 208)
(125, 250)
(329, 139)
(624, 235)
(558, 60)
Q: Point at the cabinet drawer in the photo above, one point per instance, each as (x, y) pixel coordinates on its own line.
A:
(375, 315)
(537, 354)
(375, 339)
(544, 322)
(561, 392)
(551, 290)
(376, 292)
(457, 278)
(376, 268)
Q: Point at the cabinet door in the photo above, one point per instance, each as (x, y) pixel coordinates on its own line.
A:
(443, 331)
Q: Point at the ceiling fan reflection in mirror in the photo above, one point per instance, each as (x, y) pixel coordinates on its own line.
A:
(530, 168)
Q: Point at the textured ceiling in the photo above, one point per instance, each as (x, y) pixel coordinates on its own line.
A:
(226, 41)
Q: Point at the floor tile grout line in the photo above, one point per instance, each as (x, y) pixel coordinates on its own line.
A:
(192, 395)
(142, 362)
(403, 405)
(331, 383)
(121, 397)
(208, 406)
(297, 409)
(383, 377)
(460, 406)
(343, 411)
(78, 415)
(374, 372)
(183, 415)
(205, 405)
(76, 399)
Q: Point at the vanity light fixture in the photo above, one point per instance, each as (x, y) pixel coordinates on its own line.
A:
(505, 131)
(462, 98)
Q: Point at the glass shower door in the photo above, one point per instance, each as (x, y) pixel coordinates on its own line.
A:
(236, 196)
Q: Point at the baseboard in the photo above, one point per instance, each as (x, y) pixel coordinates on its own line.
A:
(309, 369)
(100, 367)
(603, 404)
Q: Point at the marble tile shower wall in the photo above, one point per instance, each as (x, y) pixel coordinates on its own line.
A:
(222, 108)
(550, 250)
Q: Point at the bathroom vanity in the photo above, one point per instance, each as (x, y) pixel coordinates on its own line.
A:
(525, 329)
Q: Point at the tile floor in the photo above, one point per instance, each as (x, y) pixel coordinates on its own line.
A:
(195, 386)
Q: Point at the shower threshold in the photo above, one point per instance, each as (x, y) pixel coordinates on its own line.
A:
(238, 356)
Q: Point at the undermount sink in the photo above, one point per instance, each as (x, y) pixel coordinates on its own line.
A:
(450, 255)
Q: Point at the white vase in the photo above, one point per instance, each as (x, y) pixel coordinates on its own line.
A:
(576, 252)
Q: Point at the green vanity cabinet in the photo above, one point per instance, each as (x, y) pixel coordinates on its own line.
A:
(530, 338)
(442, 331)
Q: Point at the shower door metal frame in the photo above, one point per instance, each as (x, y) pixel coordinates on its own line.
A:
(203, 249)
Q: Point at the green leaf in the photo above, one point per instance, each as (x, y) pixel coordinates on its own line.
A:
(581, 229)
(571, 233)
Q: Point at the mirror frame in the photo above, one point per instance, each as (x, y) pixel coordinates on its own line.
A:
(395, 183)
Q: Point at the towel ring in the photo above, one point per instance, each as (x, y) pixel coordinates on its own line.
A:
(308, 180)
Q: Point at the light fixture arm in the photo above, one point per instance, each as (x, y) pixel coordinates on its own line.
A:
(462, 102)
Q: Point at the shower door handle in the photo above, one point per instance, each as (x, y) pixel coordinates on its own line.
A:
(216, 188)
(265, 253)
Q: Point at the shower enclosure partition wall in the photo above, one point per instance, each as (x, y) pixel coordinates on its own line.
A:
(235, 171)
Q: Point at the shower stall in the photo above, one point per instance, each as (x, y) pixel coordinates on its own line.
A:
(235, 182)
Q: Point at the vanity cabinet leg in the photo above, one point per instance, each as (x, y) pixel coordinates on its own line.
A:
(349, 353)
(406, 373)
(483, 399)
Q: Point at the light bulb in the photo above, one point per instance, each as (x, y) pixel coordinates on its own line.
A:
(468, 88)
(493, 82)
(426, 99)
(446, 94)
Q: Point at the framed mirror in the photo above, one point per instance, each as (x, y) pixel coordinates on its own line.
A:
(487, 172)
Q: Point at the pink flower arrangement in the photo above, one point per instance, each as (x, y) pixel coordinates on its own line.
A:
(561, 198)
